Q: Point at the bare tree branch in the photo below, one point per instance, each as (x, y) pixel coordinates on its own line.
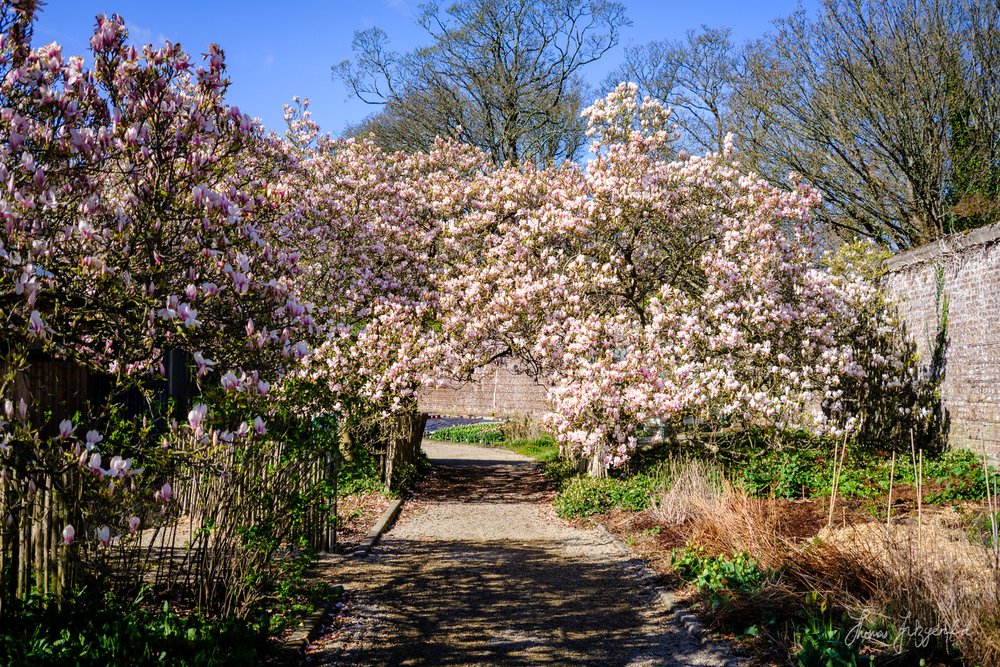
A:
(506, 72)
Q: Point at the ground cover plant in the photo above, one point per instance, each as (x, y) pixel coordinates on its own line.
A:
(583, 496)
(488, 433)
(88, 630)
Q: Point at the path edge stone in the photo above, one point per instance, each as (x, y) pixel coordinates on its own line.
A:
(691, 623)
(297, 641)
(383, 524)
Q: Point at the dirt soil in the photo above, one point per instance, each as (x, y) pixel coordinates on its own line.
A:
(358, 513)
(478, 570)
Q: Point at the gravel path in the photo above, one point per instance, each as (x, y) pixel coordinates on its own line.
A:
(478, 570)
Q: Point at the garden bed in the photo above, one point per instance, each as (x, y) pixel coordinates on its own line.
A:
(358, 513)
(834, 590)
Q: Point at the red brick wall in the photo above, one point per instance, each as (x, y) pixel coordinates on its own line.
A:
(971, 271)
(495, 392)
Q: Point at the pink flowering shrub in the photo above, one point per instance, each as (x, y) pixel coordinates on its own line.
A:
(651, 292)
(140, 218)
(368, 226)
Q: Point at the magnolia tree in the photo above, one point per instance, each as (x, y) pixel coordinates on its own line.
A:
(139, 215)
(368, 227)
(137, 210)
(648, 291)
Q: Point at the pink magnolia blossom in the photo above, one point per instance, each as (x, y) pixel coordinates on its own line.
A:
(120, 467)
(230, 382)
(36, 325)
(196, 418)
(203, 365)
(188, 315)
(66, 429)
(92, 439)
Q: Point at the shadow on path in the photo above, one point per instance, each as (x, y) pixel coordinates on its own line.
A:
(463, 481)
(478, 571)
(461, 603)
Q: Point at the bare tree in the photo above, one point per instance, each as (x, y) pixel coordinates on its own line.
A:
(503, 75)
(889, 107)
(694, 77)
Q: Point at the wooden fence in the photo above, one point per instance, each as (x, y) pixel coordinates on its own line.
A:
(236, 512)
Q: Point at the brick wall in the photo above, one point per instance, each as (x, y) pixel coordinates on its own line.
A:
(496, 391)
(970, 265)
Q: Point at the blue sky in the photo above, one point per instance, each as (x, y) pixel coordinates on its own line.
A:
(276, 50)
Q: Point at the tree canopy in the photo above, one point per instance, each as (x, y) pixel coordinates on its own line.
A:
(695, 77)
(502, 76)
(889, 108)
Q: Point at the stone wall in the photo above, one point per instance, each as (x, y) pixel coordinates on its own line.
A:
(969, 268)
(496, 391)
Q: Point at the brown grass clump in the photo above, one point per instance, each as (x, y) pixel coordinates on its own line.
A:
(937, 587)
(692, 489)
(721, 518)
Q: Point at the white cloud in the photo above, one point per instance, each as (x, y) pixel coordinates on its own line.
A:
(140, 35)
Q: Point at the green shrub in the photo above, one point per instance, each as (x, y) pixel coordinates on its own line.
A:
(586, 496)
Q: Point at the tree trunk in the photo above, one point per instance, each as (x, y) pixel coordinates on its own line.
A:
(404, 433)
(596, 466)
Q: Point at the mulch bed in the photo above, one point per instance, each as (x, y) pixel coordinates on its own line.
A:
(653, 541)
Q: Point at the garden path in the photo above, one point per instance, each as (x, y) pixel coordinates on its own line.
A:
(478, 570)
